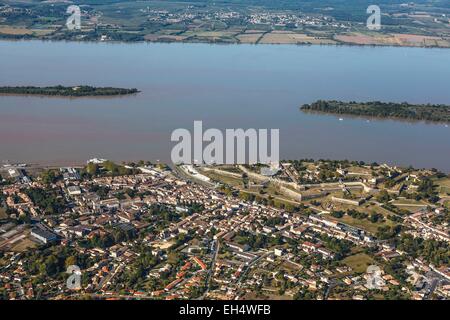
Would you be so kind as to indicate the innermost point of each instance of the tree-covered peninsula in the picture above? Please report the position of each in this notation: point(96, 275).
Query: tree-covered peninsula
point(76, 91)
point(426, 112)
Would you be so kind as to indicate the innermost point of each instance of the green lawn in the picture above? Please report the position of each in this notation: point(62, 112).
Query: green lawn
point(358, 262)
point(410, 205)
point(409, 202)
point(235, 182)
point(362, 223)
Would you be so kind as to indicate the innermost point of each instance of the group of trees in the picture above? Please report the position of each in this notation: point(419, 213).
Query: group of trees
point(256, 241)
point(134, 277)
point(383, 196)
point(426, 189)
point(388, 232)
point(114, 236)
point(164, 213)
point(340, 247)
point(432, 251)
point(107, 168)
point(374, 217)
point(53, 262)
point(46, 200)
point(269, 200)
point(101, 191)
point(49, 176)
point(273, 221)
point(4, 181)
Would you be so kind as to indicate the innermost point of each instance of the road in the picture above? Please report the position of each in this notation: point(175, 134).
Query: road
point(251, 264)
point(433, 280)
point(104, 282)
point(332, 283)
point(185, 176)
point(213, 267)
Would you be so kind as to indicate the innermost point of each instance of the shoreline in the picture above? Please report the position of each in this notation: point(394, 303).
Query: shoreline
point(53, 165)
point(71, 92)
point(338, 44)
point(375, 118)
point(30, 95)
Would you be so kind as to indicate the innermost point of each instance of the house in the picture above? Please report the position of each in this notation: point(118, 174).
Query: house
point(117, 251)
point(74, 190)
point(268, 229)
point(200, 263)
point(325, 252)
point(238, 247)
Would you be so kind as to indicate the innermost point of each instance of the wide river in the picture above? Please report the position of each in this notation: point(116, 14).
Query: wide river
point(225, 86)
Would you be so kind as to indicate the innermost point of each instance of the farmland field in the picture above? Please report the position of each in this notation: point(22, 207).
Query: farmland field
point(393, 39)
point(23, 245)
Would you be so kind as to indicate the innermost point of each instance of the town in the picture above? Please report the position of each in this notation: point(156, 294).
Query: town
point(325, 23)
point(308, 229)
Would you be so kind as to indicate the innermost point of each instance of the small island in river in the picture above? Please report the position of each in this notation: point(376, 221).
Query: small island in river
point(391, 110)
point(76, 91)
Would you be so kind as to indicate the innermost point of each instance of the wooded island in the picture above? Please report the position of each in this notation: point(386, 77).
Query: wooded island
point(404, 110)
point(77, 91)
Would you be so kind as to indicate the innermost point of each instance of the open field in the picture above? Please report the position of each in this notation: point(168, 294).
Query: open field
point(234, 182)
point(213, 36)
point(24, 31)
point(286, 37)
point(381, 210)
point(359, 170)
point(249, 37)
point(163, 245)
point(409, 204)
point(358, 262)
point(365, 207)
point(362, 223)
point(254, 187)
point(412, 209)
point(210, 34)
point(23, 245)
point(14, 30)
point(167, 37)
point(443, 186)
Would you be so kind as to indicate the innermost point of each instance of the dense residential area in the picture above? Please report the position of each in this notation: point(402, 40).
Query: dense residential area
point(305, 230)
